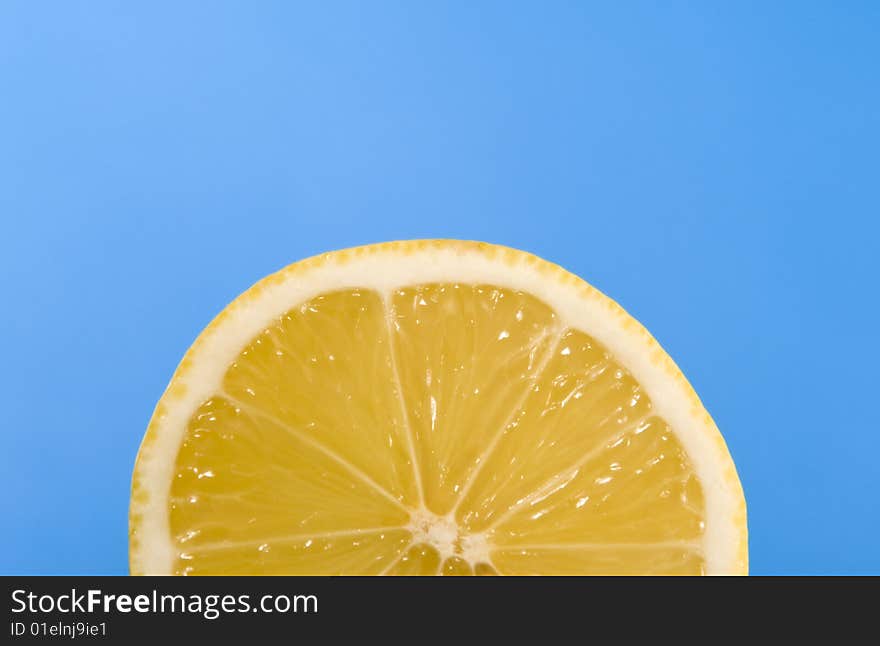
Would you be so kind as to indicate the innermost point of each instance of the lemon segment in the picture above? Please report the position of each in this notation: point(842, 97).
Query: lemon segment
point(468, 356)
point(418, 560)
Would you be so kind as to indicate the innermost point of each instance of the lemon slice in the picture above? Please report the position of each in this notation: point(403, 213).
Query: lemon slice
point(432, 407)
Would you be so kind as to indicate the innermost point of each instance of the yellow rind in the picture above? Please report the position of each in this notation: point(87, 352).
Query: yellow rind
point(140, 497)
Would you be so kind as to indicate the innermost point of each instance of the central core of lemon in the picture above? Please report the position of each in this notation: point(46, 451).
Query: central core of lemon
point(439, 532)
point(443, 535)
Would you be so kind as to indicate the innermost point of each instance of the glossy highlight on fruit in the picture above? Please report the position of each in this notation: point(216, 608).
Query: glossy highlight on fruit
point(432, 407)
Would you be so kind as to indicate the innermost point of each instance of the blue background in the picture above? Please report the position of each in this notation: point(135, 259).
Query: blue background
point(712, 166)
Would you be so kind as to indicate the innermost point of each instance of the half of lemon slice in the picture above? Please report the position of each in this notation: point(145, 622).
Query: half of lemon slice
point(432, 407)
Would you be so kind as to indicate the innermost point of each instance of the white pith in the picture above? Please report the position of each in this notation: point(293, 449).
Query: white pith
point(390, 269)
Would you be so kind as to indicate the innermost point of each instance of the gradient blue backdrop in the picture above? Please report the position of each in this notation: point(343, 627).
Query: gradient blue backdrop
point(712, 166)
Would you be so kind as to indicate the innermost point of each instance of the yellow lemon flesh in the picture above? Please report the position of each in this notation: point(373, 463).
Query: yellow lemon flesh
point(433, 407)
